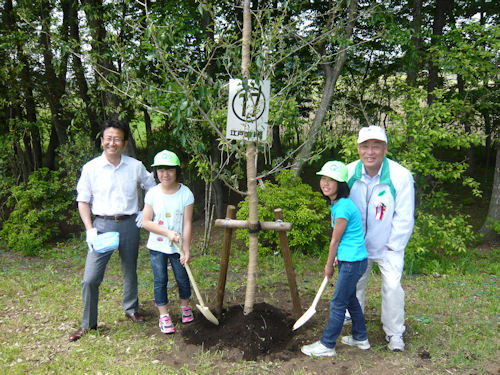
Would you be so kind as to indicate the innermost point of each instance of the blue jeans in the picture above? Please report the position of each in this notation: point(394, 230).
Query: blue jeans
point(344, 298)
point(159, 264)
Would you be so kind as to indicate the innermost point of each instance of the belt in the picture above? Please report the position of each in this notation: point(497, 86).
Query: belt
point(116, 218)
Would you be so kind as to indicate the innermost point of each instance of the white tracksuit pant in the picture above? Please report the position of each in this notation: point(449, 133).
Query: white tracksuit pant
point(393, 296)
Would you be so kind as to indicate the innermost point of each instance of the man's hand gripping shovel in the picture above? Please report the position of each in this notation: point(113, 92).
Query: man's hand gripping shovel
point(201, 306)
point(311, 310)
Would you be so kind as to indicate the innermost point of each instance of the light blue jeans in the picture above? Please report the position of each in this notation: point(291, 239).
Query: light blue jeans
point(159, 264)
point(95, 267)
point(344, 298)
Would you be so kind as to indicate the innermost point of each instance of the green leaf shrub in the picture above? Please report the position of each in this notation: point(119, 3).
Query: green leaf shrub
point(431, 141)
point(493, 224)
point(40, 206)
point(304, 208)
point(439, 235)
point(5, 185)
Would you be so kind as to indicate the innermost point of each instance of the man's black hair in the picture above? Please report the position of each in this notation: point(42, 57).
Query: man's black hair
point(115, 123)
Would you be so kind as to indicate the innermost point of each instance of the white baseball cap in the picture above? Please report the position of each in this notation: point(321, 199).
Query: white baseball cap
point(372, 132)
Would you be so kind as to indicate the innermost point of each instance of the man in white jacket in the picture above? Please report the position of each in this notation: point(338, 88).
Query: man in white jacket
point(384, 193)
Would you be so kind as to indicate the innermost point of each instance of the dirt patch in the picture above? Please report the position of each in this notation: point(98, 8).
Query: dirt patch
point(265, 331)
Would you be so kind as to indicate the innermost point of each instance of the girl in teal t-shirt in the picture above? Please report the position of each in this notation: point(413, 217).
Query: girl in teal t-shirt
point(347, 250)
point(352, 245)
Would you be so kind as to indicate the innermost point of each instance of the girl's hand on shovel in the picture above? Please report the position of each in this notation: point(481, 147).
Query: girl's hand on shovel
point(329, 268)
point(328, 271)
point(174, 236)
point(185, 258)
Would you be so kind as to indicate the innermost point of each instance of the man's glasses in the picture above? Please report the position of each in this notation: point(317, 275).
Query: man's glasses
point(113, 140)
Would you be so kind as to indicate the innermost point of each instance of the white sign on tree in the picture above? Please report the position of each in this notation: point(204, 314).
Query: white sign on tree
point(248, 111)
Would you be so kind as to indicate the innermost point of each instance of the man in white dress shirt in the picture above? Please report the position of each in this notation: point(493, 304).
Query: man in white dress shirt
point(108, 190)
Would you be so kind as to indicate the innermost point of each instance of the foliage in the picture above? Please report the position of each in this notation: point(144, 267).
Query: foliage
point(6, 181)
point(437, 236)
point(72, 156)
point(40, 207)
point(5, 185)
point(493, 224)
point(301, 206)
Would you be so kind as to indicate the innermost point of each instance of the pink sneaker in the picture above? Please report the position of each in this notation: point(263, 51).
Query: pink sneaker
point(165, 324)
point(186, 314)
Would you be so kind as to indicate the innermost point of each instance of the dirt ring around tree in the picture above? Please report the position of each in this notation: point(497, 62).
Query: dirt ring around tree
point(266, 331)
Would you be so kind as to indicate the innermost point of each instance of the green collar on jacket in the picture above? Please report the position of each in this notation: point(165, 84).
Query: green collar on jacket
point(385, 176)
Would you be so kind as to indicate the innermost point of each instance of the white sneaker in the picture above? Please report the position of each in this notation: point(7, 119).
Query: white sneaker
point(361, 344)
point(318, 350)
point(165, 324)
point(347, 320)
point(396, 343)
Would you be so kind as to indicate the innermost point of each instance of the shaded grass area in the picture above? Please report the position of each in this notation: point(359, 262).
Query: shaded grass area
point(452, 320)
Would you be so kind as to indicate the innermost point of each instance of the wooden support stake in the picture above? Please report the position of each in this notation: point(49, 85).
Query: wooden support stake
point(264, 225)
point(229, 223)
point(226, 247)
point(292, 283)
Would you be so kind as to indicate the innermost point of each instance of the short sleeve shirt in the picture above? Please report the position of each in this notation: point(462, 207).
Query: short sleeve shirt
point(168, 211)
point(113, 190)
point(352, 245)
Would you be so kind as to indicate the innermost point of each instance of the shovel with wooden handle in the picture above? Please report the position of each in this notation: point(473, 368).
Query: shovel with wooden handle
point(311, 310)
point(201, 306)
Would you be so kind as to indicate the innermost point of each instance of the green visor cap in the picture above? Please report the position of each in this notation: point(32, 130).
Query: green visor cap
point(336, 170)
point(166, 158)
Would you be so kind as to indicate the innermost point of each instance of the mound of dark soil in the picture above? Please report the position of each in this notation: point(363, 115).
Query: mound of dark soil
point(264, 331)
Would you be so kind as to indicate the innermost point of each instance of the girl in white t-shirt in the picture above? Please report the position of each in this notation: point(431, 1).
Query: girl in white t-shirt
point(167, 215)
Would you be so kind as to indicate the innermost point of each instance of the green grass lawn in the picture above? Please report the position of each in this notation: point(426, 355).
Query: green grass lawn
point(452, 320)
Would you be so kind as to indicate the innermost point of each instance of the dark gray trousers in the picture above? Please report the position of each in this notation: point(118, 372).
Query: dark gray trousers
point(95, 267)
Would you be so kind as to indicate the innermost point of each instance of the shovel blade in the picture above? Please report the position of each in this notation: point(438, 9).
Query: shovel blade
point(304, 318)
point(208, 314)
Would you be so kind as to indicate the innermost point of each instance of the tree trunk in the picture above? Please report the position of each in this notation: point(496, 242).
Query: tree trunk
point(465, 123)
point(94, 11)
point(414, 63)
point(442, 6)
point(33, 141)
point(55, 84)
point(31, 136)
point(494, 209)
point(108, 66)
point(331, 76)
point(278, 150)
point(81, 81)
point(50, 158)
point(21, 157)
point(251, 175)
point(207, 24)
point(149, 134)
point(217, 184)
